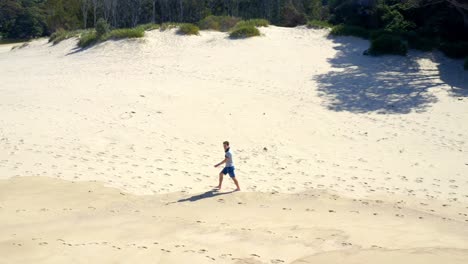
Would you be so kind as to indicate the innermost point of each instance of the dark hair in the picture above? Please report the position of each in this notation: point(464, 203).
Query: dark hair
point(226, 143)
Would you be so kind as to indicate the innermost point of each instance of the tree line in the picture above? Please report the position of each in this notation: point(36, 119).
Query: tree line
point(447, 19)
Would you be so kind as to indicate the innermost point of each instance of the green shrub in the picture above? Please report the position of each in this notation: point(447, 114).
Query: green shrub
point(58, 34)
point(388, 44)
point(123, 33)
point(188, 29)
point(102, 27)
point(345, 30)
point(253, 22)
point(466, 63)
point(318, 24)
point(169, 25)
point(88, 39)
point(219, 23)
point(454, 49)
point(244, 32)
point(149, 27)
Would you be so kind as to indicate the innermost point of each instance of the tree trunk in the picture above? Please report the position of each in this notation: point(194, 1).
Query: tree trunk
point(95, 3)
point(181, 11)
point(153, 18)
point(464, 15)
point(84, 10)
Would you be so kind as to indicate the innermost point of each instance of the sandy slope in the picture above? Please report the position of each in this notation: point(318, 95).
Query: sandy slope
point(60, 221)
point(304, 113)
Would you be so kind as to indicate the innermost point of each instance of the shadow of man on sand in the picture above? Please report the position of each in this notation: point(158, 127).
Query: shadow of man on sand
point(209, 194)
point(384, 85)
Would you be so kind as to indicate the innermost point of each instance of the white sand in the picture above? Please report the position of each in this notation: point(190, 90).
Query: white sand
point(304, 113)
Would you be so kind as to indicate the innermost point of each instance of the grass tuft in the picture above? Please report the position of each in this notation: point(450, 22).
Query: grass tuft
point(244, 32)
point(188, 29)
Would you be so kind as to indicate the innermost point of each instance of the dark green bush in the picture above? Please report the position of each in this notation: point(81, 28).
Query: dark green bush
point(388, 44)
point(345, 30)
point(102, 27)
point(88, 39)
point(123, 33)
point(188, 29)
point(219, 23)
point(318, 24)
point(454, 49)
point(244, 32)
point(253, 22)
point(415, 41)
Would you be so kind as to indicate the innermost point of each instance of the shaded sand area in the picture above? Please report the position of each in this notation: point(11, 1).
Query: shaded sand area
point(137, 125)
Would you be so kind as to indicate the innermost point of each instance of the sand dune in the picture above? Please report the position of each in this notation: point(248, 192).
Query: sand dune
point(306, 115)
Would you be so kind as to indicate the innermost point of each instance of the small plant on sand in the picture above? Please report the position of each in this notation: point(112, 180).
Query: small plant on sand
point(244, 32)
point(188, 29)
point(87, 39)
point(58, 35)
point(253, 22)
point(318, 24)
point(123, 33)
point(388, 44)
point(219, 23)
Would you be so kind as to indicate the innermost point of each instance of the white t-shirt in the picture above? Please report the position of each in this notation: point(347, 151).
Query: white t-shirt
point(229, 162)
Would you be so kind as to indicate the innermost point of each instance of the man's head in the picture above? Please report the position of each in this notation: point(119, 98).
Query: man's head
point(226, 145)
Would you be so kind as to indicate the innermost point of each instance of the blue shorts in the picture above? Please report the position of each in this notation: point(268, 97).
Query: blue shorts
point(230, 171)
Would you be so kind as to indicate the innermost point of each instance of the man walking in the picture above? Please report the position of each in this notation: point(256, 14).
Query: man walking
point(229, 168)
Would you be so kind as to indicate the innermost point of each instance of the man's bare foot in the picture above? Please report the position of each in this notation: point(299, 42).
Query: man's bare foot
point(218, 187)
point(237, 190)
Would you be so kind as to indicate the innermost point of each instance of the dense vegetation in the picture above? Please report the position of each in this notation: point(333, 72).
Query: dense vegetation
point(422, 24)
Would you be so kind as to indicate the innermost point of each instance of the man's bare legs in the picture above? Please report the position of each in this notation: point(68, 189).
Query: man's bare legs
point(220, 180)
point(236, 183)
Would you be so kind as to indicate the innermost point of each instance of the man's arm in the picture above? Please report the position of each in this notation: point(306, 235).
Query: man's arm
point(222, 162)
